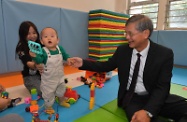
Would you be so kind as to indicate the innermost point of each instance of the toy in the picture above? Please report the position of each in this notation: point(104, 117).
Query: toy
point(56, 117)
point(35, 118)
point(66, 80)
point(34, 96)
point(50, 111)
point(108, 75)
point(35, 47)
point(28, 100)
point(71, 95)
point(33, 102)
point(4, 95)
point(101, 75)
point(92, 96)
point(100, 85)
point(34, 108)
point(86, 81)
point(98, 79)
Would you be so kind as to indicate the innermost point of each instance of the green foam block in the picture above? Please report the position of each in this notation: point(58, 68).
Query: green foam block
point(107, 113)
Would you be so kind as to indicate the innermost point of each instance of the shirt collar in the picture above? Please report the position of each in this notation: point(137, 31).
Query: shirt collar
point(144, 52)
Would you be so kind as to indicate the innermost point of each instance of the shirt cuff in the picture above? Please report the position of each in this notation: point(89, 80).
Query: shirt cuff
point(149, 114)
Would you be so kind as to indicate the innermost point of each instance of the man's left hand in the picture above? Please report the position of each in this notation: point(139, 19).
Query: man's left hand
point(140, 116)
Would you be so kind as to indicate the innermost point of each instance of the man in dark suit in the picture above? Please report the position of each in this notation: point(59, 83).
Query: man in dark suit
point(151, 97)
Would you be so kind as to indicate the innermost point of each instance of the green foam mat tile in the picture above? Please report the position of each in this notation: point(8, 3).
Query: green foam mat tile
point(179, 90)
point(108, 12)
point(106, 19)
point(113, 108)
point(100, 115)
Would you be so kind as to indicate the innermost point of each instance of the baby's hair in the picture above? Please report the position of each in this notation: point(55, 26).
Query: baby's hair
point(46, 28)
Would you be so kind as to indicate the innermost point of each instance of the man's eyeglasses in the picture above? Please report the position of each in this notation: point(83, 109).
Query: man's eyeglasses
point(130, 34)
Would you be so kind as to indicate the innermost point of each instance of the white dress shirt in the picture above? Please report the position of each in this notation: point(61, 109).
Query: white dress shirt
point(140, 88)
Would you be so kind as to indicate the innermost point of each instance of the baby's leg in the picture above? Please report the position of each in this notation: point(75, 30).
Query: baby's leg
point(60, 94)
point(49, 110)
point(62, 102)
point(49, 98)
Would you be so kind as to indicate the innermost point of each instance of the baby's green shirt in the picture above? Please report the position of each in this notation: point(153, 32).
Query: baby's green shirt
point(42, 58)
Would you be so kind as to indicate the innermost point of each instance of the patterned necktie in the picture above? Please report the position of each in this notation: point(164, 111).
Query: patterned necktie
point(130, 92)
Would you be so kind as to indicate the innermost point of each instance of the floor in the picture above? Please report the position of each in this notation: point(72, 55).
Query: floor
point(13, 82)
point(14, 85)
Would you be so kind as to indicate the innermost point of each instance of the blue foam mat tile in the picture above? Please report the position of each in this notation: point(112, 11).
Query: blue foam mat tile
point(20, 109)
point(77, 110)
point(102, 95)
point(179, 76)
point(80, 108)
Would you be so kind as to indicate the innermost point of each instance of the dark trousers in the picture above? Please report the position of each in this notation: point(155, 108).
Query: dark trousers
point(176, 111)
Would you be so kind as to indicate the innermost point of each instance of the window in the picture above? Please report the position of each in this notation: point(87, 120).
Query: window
point(146, 7)
point(176, 14)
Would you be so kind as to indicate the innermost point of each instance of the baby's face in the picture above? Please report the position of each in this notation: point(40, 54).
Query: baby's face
point(49, 38)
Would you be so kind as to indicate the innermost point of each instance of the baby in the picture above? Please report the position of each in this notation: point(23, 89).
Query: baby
point(52, 77)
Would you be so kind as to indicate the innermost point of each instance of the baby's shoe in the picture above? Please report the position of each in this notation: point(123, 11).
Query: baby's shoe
point(49, 110)
point(65, 104)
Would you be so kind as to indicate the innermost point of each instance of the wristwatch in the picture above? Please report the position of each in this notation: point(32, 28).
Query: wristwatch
point(149, 114)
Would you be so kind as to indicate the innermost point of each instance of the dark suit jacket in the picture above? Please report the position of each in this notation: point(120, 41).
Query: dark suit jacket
point(156, 77)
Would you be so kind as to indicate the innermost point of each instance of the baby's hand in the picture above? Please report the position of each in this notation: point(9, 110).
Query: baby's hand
point(70, 61)
point(32, 54)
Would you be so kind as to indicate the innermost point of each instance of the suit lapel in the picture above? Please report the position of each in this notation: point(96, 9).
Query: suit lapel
point(126, 65)
point(128, 60)
point(149, 60)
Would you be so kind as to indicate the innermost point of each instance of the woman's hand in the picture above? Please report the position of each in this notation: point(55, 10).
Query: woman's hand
point(32, 54)
point(2, 89)
point(4, 103)
point(40, 67)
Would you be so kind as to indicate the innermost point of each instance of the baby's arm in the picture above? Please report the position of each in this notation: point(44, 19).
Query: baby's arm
point(64, 54)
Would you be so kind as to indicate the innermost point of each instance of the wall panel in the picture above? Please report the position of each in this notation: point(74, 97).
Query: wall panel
point(74, 25)
point(3, 61)
point(16, 12)
point(176, 40)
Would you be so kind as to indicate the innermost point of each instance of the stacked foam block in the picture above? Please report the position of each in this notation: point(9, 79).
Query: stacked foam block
point(106, 33)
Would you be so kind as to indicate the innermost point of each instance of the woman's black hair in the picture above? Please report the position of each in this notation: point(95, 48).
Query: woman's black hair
point(22, 45)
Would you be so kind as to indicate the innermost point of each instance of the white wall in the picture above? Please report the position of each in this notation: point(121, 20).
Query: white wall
point(119, 6)
point(80, 5)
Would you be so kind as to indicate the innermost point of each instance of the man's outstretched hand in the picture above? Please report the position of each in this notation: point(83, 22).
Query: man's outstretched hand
point(75, 62)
